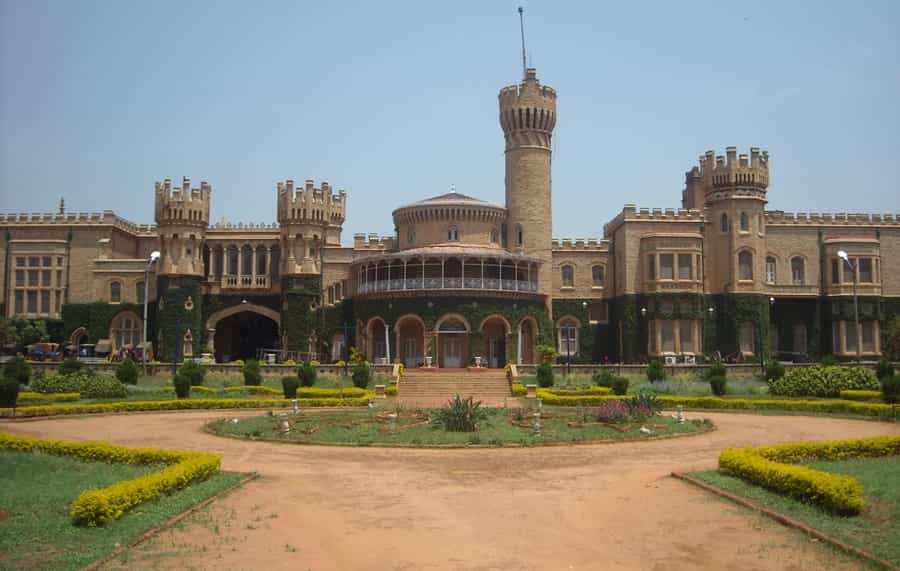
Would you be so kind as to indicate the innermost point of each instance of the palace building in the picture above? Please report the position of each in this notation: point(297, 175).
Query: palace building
point(462, 278)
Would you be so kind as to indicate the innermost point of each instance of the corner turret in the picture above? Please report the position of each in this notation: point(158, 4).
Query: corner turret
point(182, 216)
point(310, 218)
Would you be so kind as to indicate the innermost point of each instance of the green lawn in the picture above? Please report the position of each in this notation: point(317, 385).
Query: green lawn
point(876, 530)
point(683, 384)
point(36, 491)
point(363, 427)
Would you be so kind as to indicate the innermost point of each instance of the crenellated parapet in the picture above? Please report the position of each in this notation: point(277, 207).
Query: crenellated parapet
point(729, 176)
point(580, 245)
point(106, 218)
point(374, 242)
point(778, 217)
point(310, 205)
point(632, 212)
point(182, 206)
point(528, 113)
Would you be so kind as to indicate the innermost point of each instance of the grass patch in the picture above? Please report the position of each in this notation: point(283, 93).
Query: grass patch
point(36, 492)
point(876, 529)
point(365, 427)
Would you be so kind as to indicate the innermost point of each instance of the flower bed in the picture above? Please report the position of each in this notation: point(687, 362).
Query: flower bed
point(772, 467)
point(96, 507)
point(179, 404)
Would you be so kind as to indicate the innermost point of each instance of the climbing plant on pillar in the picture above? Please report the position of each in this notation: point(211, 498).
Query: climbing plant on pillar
point(179, 309)
point(300, 305)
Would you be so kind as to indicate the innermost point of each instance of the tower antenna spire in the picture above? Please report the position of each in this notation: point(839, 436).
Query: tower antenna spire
point(522, 29)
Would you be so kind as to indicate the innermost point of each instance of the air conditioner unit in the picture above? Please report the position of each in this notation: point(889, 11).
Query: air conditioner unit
point(671, 360)
point(690, 360)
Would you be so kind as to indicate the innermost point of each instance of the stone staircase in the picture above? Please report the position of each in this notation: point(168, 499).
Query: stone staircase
point(442, 384)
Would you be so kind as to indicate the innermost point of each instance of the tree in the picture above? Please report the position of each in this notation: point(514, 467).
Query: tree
point(30, 331)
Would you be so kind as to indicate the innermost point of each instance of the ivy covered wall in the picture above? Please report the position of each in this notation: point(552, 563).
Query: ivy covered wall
point(96, 318)
point(179, 309)
point(300, 316)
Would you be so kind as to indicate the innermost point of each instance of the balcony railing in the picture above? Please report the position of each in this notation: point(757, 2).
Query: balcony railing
point(245, 282)
point(493, 284)
point(671, 285)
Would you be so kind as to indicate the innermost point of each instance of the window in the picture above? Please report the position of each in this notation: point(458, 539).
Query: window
point(45, 261)
point(45, 278)
point(58, 305)
point(597, 274)
point(20, 262)
point(797, 271)
point(667, 306)
point(20, 301)
point(724, 223)
point(32, 277)
point(745, 334)
point(666, 266)
point(139, 292)
point(32, 301)
point(115, 292)
point(452, 234)
point(520, 236)
point(770, 270)
point(34, 262)
point(568, 337)
point(745, 265)
point(868, 336)
point(685, 268)
point(668, 336)
point(20, 278)
point(45, 301)
point(865, 270)
point(411, 235)
point(686, 335)
point(331, 295)
point(126, 330)
point(745, 222)
point(598, 312)
point(651, 267)
point(568, 276)
point(850, 337)
point(494, 236)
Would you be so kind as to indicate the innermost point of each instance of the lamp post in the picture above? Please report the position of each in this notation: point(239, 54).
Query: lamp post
point(154, 256)
point(855, 267)
point(711, 311)
point(649, 341)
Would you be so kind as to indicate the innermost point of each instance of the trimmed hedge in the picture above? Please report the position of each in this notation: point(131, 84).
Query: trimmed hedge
point(518, 390)
point(180, 404)
point(823, 381)
point(303, 392)
point(391, 390)
point(90, 386)
point(861, 395)
point(591, 391)
point(96, 507)
point(31, 398)
point(770, 467)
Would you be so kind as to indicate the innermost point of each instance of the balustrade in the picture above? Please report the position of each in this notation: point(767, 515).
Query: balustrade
point(447, 283)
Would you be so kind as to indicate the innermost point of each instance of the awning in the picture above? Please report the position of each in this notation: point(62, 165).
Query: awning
point(103, 346)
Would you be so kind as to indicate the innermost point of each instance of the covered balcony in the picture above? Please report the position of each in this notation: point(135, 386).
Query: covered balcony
point(447, 268)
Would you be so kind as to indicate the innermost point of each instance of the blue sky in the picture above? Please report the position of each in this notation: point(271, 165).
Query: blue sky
point(397, 101)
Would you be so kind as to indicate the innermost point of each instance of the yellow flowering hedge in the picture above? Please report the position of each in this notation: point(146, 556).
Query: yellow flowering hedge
point(859, 395)
point(27, 397)
point(98, 506)
point(392, 390)
point(588, 392)
point(194, 389)
point(179, 404)
point(303, 392)
point(772, 467)
point(518, 390)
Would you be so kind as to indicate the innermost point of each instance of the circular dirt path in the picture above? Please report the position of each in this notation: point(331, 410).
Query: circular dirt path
point(603, 506)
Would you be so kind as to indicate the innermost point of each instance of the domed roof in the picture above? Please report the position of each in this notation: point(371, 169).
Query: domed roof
point(451, 199)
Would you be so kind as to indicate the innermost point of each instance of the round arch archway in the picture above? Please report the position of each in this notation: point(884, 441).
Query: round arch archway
point(526, 339)
point(494, 332)
point(237, 332)
point(410, 334)
point(452, 332)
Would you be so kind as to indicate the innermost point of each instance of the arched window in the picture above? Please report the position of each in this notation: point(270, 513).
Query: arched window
point(770, 270)
point(411, 235)
point(125, 330)
point(745, 265)
point(115, 292)
point(724, 222)
point(520, 235)
point(568, 338)
point(568, 276)
point(452, 234)
point(139, 292)
point(798, 271)
point(745, 222)
point(494, 236)
point(598, 274)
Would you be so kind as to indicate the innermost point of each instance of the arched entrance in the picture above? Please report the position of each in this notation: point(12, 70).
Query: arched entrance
point(238, 331)
point(527, 336)
point(453, 342)
point(410, 330)
point(377, 337)
point(494, 330)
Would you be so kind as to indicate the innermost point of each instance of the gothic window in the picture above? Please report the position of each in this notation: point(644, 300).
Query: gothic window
point(745, 265)
point(126, 330)
point(745, 222)
point(598, 275)
point(797, 271)
point(568, 276)
point(770, 270)
point(115, 292)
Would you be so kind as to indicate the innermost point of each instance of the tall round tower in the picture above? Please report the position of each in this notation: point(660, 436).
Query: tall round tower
point(527, 116)
point(182, 215)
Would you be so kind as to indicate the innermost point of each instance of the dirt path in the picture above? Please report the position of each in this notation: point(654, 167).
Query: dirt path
point(573, 507)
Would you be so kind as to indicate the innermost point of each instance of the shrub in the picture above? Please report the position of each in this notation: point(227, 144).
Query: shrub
point(127, 372)
point(717, 384)
point(612, 411)
point(361, 375)
point(9, 392)
point(314, 363)
point(18, 369)
point(774, 370)
point(290, 363)
point(238, 362)
point(620, 385)
point(195, 372)
point(828, 361)
point(890, 389)
point(182, 384)
point(518, 389)
point(656, 371)
point(884, 369)
point(548, 354)
point(643, 405)
point(90, 386)
point(460, 415)
point(69, 365)
point(252, 376)
point(823, 381)
point(603, 378)
point(863, 396)
point(307, 374)
point(716, 369)
point(289, 385)
point(545, 375)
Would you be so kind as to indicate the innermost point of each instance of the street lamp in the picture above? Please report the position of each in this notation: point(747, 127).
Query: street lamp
point(154, 256)
point(855, 267)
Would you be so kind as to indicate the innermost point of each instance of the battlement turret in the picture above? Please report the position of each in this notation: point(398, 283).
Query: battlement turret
point(528, 112)
point(310, 205)
point(184, 206)
point(729, 176)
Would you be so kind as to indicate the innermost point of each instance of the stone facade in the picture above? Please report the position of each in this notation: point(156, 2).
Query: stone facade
point(463, 278)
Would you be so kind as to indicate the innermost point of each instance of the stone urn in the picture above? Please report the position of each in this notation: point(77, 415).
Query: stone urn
point(428, 362)
point(478, 361)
